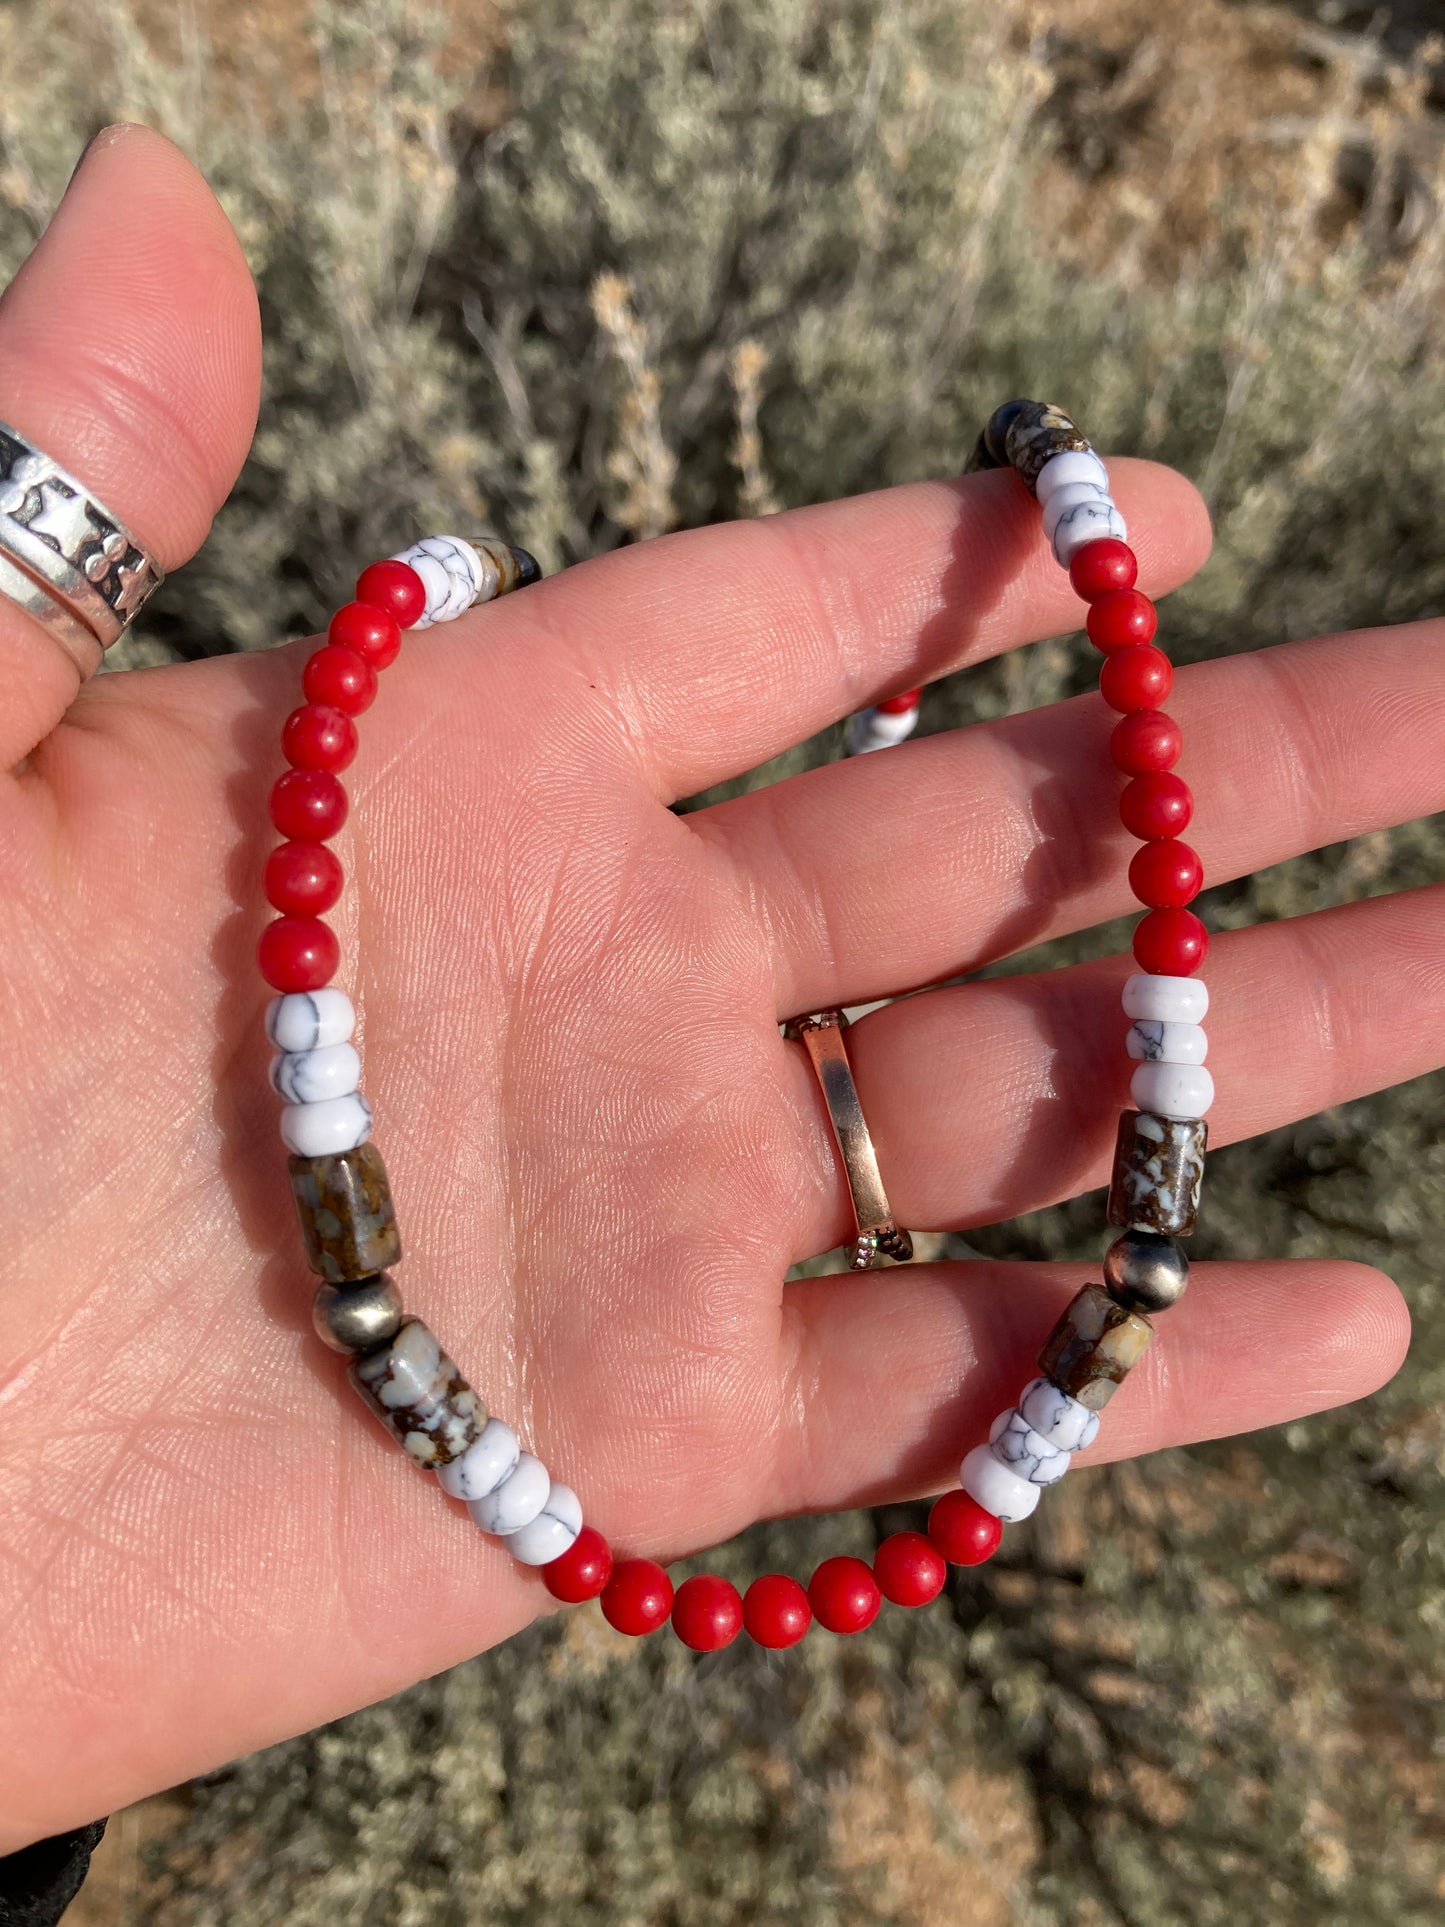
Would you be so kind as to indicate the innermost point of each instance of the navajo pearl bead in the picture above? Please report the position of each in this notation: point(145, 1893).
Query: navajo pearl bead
point(308, 804)
point(1166, 874)
point(298, 953)
point(341, 678)
point(1101, 567)
point(1145, 739)
point(964, 1533)
point(637, 1598)
point(395, 587)
point(1170, 943)
point(583, 1571)
point(707, 1613)
point(776, 1612)
point(303, 879)
point(844, 1595)
point(1156, 805)
point(909, 1569)
point(368, 631)
point(316, 736)
point(1145, 1271)
point(1138, 678)
point(1124, 619)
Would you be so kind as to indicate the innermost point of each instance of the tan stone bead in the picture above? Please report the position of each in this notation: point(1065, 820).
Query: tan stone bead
point(1093, 1346)
point(348, 1221)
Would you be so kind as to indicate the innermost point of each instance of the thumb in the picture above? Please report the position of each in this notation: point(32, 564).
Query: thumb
point(130, 352)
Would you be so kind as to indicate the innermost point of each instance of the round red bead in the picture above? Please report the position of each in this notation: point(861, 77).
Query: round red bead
point(395, 587)
point(844, 1595)
point(899, 705)
point(1166, 875)
point(1156, 804)
point(964, 1533)
point(707, 1613)
point(308, 804)
point(582, 1571)
point(776, 1612)
point(1170, 943)
point(303, 878)
point(1123, 619)
point(1138, 678)
point(909, 1569)
point(368, 631)
point(1145, 739)
point(298, 953)
point(1102, 566)
point(638, 1597)
point(341, 678)
point(316, 736)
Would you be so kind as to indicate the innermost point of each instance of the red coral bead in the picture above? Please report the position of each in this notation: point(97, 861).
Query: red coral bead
point(1145, 739)
point(308, 804)
point(1170, 943)
point(316, 736)
point(395, 587)
point(707, 1613)
point(964, 1533)
point(1156, 804)
point(909, 1569)
point(1124, 619)
point(341, 678)
point(582, 1571)
point(303, 878)
point(1102, 566)
point(298, 953)
point(638, 1597)
point(899, 705)
point(844, 1595)
point(1139, 678)
point(776, 1612)
point(367, 631)
point(1166, 874)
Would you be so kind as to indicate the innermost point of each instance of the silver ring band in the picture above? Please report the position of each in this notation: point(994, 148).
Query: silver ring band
point(877, 1232)
point(63, 538)
point(79, 643)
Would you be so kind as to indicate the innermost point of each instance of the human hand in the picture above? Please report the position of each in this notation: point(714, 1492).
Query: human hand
point(604, 1155)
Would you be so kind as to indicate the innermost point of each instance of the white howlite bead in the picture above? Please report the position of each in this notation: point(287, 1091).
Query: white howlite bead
point(320, 1130)
point(987, 1479)
point(453, 575)
point(1016, 1444)
point(879, 729)
point(1180, 1091)
point(1087, 523)
point(310, 1019)
point(488, 1460)
point(1174, 1000)
point(311, 1076)
point(1057, 1417)
point(1158, 1042)
point(552, 1532)
point(1066, 499)
point(516, 1501)
point(1063, 471)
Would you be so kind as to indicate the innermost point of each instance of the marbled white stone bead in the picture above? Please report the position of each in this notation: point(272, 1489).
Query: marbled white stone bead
point(1023, 1450)
point(516, 1501)
point(311, 1076)
point(1057, 1417)
point(348, 1221)
point(310, 1019)
point(453, 575)
point(552, 1532)
point(1087, 522)
point(1093, 1346)
point(1171, 1000)
point(876, 729)
point(1157, 1042)
point(1037, 432)
point(985, 1478)
point(1065, 471)
point(1158, 1169)
point(419, 1395)
point(484, 1464)
point(317, 1130)
point(1178, 1091)
point(1065, 500)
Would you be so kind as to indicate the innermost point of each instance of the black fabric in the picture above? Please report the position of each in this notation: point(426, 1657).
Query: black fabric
point(38, 1883)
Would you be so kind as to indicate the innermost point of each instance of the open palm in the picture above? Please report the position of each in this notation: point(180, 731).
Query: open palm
point(605, 1157)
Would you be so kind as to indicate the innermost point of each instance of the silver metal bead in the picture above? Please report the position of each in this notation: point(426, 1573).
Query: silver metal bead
point(357, 1317)
point(1145, 1272)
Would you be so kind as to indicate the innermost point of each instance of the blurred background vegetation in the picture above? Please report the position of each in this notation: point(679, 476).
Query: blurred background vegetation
point(597, 270)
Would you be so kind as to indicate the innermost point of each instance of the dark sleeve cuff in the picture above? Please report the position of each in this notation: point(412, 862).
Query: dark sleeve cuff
point(38, 1883)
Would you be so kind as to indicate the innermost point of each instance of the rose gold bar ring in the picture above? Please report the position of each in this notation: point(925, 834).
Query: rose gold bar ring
point(822, 1034)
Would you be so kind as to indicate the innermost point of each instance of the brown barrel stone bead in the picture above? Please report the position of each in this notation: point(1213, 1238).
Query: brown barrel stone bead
point(1158, 1166)
point(419, 1395)
point(347, 1218)
point(1091, 1349)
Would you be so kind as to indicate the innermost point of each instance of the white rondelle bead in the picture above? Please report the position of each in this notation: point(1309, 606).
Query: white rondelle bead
point(553, 1531)
point(488, 1460)
point(311, 1076)
point(987, 1479)
point(1062, 1420)
point(879, 729)
point(1157, 1042)
point(453, 575)
point(310, 1019)
point(1088, 522)
point(1066, 499)
point(1016, 1444)
point(1063, 471)
point(516, 1501)
point(320, 1130)
point(1175, 1000)
point(1179, 1091)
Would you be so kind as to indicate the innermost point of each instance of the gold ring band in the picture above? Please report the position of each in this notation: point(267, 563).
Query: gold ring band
point(821, 1033)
